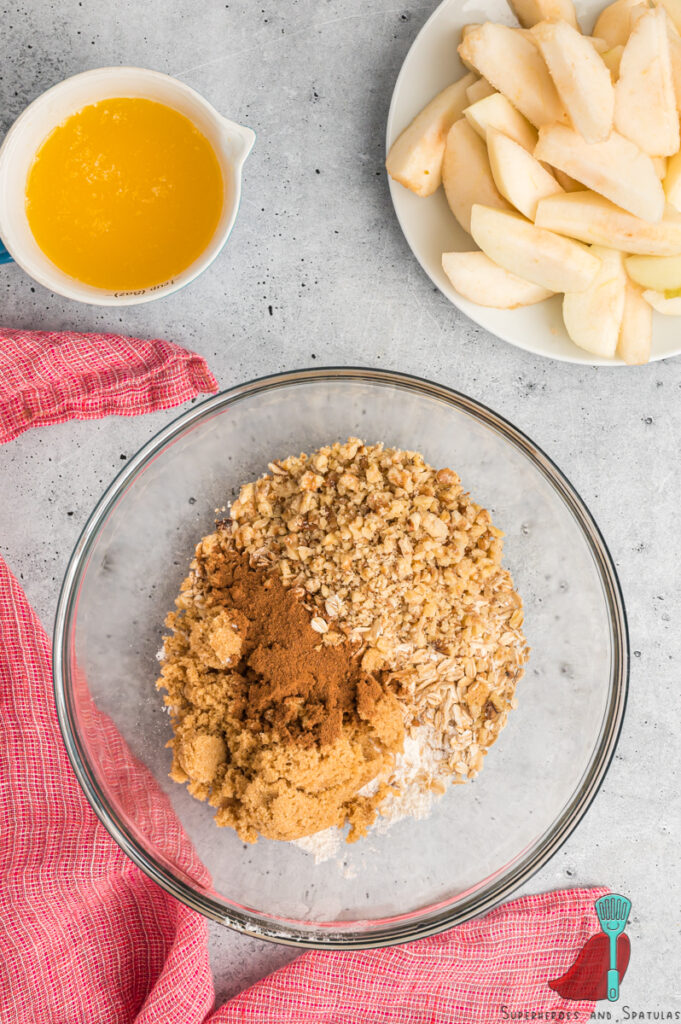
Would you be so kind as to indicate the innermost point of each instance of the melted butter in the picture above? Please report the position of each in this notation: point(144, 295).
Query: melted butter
point(125, 194)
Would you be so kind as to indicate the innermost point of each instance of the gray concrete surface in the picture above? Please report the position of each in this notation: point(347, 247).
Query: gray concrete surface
point(316, 273)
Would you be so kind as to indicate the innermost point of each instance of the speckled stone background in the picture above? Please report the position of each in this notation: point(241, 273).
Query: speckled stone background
point(316, 273)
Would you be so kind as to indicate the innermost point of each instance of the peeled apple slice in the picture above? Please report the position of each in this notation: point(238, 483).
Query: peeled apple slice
point(464, 32)
point(415, 158)
point(519, 177)
point(660, 165)
point(591, 218)
point(479, 90)
point(614, 168)
point(567, 183)
point(673, 9)
point(660, 303)
point(514, 66)
point(548, 260)
point(675, 55)
point(672, 181)
point(583, 81)
point(612, 59)
point(593, 317)
point(636, 332)
point(645, 101)
point(479, 279)
point(615, 21)
point(660, 273)
point(496, 112)
point(466, 174)
point(529, 12)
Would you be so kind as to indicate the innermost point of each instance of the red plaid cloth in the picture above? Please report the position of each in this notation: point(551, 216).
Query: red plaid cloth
point(86, 937)
point(50, 377)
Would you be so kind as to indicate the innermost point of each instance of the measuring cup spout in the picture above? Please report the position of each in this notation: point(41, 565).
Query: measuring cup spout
point(237, 140)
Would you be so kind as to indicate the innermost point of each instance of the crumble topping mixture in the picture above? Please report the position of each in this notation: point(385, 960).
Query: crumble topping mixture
point(354, 597)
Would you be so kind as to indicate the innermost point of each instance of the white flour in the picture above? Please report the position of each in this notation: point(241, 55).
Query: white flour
point(415, 769)
point(322, 845)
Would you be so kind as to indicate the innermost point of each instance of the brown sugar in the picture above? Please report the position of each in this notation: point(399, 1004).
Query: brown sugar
point(278, 731)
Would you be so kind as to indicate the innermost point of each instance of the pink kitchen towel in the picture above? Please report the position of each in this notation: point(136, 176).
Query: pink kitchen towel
point(53, 376)
point(85, 936)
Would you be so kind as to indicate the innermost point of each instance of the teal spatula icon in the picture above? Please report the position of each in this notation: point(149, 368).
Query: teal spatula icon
point(613, 913)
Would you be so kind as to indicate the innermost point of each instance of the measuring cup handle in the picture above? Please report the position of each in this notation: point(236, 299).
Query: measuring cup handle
point(4, 255)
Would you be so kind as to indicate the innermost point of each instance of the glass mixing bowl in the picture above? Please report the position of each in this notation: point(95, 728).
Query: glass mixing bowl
point(483, 839)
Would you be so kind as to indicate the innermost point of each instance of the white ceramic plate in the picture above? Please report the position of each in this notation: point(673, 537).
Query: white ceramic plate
point(429, 227)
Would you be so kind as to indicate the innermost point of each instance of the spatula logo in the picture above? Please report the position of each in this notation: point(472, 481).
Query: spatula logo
point(613, 913)
point(602, 962)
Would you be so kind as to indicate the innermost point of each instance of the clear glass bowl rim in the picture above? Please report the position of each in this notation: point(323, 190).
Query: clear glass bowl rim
point(401, 929)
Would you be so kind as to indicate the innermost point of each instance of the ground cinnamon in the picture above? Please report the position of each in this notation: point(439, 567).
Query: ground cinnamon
point(292, 682)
